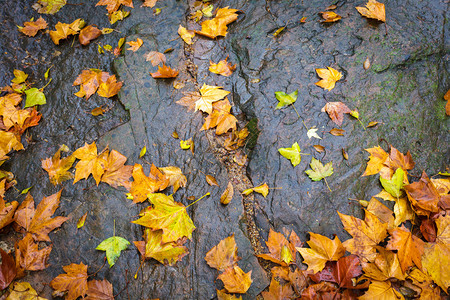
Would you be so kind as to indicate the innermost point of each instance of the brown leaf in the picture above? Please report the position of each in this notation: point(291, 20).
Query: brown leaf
point(155, 58)
point(165, 72)
point(90, 81)
point(223, 255)
point(423, 195)
point(227, 195)
point(89, 33)
point(7, 211)
point(336, 111)
point(7, 270)
point(278, 292)
point(410, 248)
point(211, 180)
point(29, 256)
point(38, 221)
point(98, 111)
point(235, 280)
point(149, 3)
point(99, 290)
point(337, 132)
point(428, 230)
point(321, 291)
point(74, 282)
point(31, 28)
point(319, 148)
point(399, 160)
point(116, 173)
point(189, 100)
point(57, 168)
point(330, 16)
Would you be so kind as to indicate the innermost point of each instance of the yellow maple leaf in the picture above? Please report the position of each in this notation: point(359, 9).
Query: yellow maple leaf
point(376, 160)
point(209, 94)
point(135, 45)
point(8, 141)
point(175, 177)
point(186, 35)
point(235, 280)
point(373, 10)
point(386, 265)
point(57, 168)
point(90, 162)
point(144, 185)
point(218, 25)
point(322, 250)
point(381, 290)
point(329, 77)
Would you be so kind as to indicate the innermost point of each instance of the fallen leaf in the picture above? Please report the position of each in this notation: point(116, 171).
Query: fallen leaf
point(220, 117)
point(29, 256)
point(113, 246)
point(319, 148)
point(372, 124)
point(135, 45)
point(223, 67)
point(209, 94)
point(285, 99)
point(447, 106)
point(336, 111)
point(423, 195)
point(428, 290)
point(381, 211)
point(189, 100)
point(38, 221)
point(81, 221)
point(222, 295)
point(235, 280)
point(63, 30)
point(186, 35)
point(98, 111)
point(187, 144)
point(385, 266)
point(175, 177)
point(319, 171)
point(399, 160)
point(322, 249)
point(376, 160)
point(278, 31)
point(373, 10)
point(312, 132)
point(7, 270)
point(7, 211)
point(144, 185)
point(381, 290)
point(89, 33)
point(155, 58)
point(116, 173)
point(223, 255)
point(19, 77)
point(149, 3)
point(90, 162)
point(227, 194)
point(49, 6)
point(23, 291)
point(74, 282)
point(168, 215)
point(57, 168)
point(165, 72)
point(218, 25)
point(366, 66)
point(330, 16)
point(278, 292)
point(31, 28)
point(293, 154)
point(322, 290)
point(34, 97)
point(211, 180)
point(8, 142)
point(366, 235)
point(113, 5)
point(281, 251)
point(394, 185)
point(90, 80)
point(344, 154)
point(99, 290)
point(329, 77)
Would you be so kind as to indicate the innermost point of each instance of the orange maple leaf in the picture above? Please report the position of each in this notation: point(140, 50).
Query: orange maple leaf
point(74, 282)
point(385, 266)
point(373, 10)
point(278, 291)
point(135, 45)
point(235, 280)
point(281, 251)
point(89, 81)
point(113, 5)
point(57, 168)
point(376, 160)
point(330, 16)
point(423, 196)
point(38, 221)
point(143, 185)
point(29, 256)
point(155, 57)
point(329, 77)
point(220, 117)
point(31, 28)
point(116, 173)
point(165, 72)
point(110, 87)
point(223, 255)
point(7, 211)
point(222, 67)
point(218, 25)
point(8, 141)
point(336, 111)
point(90, 162)
point(63, 30)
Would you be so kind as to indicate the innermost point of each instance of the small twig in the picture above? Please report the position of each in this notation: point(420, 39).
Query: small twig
point(104, 262)
point(140, 266)
point(126, 284)
point(327, 184)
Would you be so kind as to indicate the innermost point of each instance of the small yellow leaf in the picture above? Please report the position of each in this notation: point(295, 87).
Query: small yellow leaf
point(372, 124)
point(263, 189)
point(279, 30)
point(135, 45)
point(81, 221)
point(143, 151)
point(227, 195)
point(97, 111)
point(329, 77)
point(344, 154)
point(186, 35)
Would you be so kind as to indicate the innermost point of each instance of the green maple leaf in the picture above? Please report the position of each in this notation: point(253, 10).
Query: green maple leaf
point(293, 153)
point(34, 97)
point(285, 99)
point(319, 171)
point(394, 185)
point(168, 215)
point(113, 247)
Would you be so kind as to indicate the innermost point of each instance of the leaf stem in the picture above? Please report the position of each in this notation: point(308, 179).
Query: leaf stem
point(140, 266)
point(42, 88)
point(361, 124)
point(327, 184)
point(114, 228)
point(207, 194)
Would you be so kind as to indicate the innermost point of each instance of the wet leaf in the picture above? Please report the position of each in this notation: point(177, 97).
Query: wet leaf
point(23, 291)
point(8, 142)
point(155, 58)
point(90, 162)
point(322, 249)
point(227, 194)
point(209, 94)
point(278, 292)
point(281, 251)
point(165, 72)
point(31, 28)
point(168, 215)
point(218, 25)
point(135, 45)
point(220, 117)
point(381, 290)
point(144, 185)
point(34, 97)
point(312, 132)
point(7, 270)
point(211, 180)
point(319, 171)
point(99, 290)
point(118, 16)
point(285, 99)
point(223, 67)
point(98, 111)
point(29, 256)
point(329, 77)
point(113, 246)
point(63, 30)
point(110, 87)
point(49, 6)
point(336, 111)
point(187, 144)
point(423, 195)
point(278, 31)
point(293, 153)
point(74, 281)
point(235, 280)
point(149, 3)
point(89, 33)
point(189, 100)
point(186, 35)
point(175, 177)
point(447, 106)
point(344, 154)
point(113, 5)
point(223, 255)
point(222, 295)
point(319, 148)
point(19, 76)
point(337, 132)
point(366, 66)
point(373, 10)
point(38, 221)
point(329, 16)
point(142, 152)
point(7, 210)
point(57, 168)
point(385, 266)
point(376, 160)
point(81, 221)
point(263, 189)
point(394, 186)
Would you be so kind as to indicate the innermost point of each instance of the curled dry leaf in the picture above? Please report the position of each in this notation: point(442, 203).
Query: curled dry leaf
point(373, 10)
point(263, 189)
point(222, 67)
point(330, 16)
point(372, 124)
point(165, 72)
point(98, 111)
point(211, 180)
point(227, 195)
point(31, 28)
point(155, 58)
point(89, 33)
point(135, 45)
point(186, 35)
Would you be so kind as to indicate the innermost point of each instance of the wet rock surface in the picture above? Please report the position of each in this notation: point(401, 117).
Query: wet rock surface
point(402, 90)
